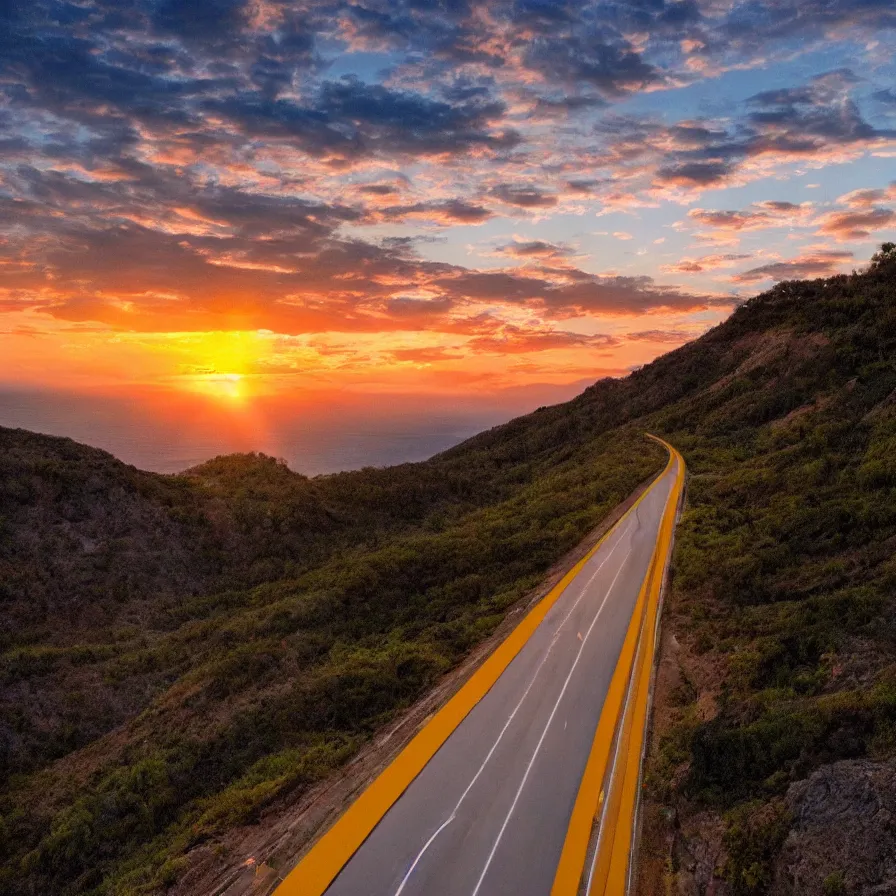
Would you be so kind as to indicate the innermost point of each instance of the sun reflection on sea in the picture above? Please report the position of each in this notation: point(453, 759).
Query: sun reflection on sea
point(228, 405)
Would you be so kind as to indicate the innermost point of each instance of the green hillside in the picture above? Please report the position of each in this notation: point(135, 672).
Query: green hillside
point(179, 652)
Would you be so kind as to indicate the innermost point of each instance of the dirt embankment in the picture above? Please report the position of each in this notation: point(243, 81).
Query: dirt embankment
point(679, 851)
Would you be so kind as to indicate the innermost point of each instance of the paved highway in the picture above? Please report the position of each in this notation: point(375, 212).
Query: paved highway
point(489, 812)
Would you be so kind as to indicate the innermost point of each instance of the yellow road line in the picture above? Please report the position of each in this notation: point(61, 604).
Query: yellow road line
point(318, 869)
point(607, 795)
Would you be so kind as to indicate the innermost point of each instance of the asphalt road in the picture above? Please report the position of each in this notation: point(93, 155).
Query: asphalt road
point(488, 814)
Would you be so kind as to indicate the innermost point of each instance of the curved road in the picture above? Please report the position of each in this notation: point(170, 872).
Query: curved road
point(489, 812)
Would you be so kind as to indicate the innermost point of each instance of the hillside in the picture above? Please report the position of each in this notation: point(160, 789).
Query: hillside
point(180, 653)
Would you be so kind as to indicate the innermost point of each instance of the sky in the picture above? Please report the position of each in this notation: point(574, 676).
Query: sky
point(253, 198)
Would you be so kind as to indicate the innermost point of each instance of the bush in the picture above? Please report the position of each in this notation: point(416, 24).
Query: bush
point(754, 833)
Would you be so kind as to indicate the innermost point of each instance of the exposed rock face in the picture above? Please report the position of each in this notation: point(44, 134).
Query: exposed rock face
point(844, 832)
point(697, 855)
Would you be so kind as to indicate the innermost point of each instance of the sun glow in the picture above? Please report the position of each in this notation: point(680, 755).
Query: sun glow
point(220, 364)
point(231, 386)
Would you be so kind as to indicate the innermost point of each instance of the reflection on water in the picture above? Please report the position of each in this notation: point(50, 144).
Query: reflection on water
point(168, 431)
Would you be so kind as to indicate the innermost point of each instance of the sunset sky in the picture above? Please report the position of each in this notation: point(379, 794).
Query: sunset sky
point(250, 198)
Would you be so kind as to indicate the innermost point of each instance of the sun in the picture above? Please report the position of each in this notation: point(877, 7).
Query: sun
point(220, 364)
point(230, 386)
point(228, 353)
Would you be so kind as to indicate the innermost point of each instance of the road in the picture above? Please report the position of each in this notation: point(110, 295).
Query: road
point(489, 812)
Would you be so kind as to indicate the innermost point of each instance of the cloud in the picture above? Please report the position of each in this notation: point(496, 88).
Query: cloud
point(584, 185)
point(868, 198)
point(695, 174)
point(734, 220)
point(702, 264)
point(577, 57)
point(866, 212)
point(409, 122)
point(566, 105)
point(353, 119)
point(176, 166)
point(379, 189)
point(201, 20)
point(426, 355)
point(722, 225)
point(812, 120)
point(821, 263)
point(523, 196)
point(518, 340)
point(856, 225)
point(535, 249)
point(445, 212)
point(749, 30)
point(823, 109)
point(669, 337)
point(576, 293)
point(215, 258)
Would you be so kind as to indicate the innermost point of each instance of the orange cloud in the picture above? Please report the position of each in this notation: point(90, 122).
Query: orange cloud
point(813, 263)
point(704, 263)
point(866, 213)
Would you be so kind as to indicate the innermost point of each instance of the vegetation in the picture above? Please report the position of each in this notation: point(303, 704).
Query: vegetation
point(180, 651)
point(243, 629)
point(784, 579)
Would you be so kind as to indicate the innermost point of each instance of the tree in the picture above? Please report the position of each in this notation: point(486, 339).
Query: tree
point(885, 255)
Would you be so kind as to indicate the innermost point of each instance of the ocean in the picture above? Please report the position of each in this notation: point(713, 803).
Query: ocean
point(167, 431)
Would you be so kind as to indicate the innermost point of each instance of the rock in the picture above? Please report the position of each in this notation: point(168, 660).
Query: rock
point(844, 820)
point(697, 851)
